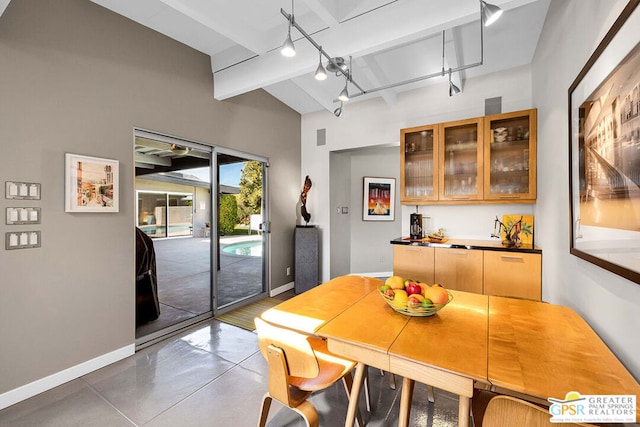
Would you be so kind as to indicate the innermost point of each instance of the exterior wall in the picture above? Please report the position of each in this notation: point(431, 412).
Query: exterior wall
point(77, 78)
point(608, 302)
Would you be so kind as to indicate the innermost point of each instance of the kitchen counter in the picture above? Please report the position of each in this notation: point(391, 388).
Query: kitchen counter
point(486, 245)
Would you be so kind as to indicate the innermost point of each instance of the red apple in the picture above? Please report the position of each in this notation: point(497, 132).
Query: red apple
point(413, 288)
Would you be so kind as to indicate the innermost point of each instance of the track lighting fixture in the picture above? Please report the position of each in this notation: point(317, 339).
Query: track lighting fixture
point(320, 74)
point(453, 89)
point(490, 12)
point(288, 48)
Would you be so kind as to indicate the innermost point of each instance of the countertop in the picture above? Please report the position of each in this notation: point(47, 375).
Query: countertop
point(486, 245)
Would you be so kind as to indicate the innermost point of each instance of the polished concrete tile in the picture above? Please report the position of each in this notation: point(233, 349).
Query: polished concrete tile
point(74, 404)
point(156, 378)
point(231, 400)
point(209, 375)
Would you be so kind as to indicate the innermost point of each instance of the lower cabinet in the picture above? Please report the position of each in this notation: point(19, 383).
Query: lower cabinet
point(413, 262)
point(513, 274)
point(490, 272)
point(459, 269)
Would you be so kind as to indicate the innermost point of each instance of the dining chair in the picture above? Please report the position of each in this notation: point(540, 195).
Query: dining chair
point(299, 364)
point(507, 411)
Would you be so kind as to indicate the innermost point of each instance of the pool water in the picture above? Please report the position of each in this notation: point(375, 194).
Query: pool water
point(253, 248)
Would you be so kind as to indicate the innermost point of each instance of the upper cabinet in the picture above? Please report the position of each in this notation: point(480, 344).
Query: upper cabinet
point(488, 159)
point(419, 160)
point(510, 153)
point(460, 164)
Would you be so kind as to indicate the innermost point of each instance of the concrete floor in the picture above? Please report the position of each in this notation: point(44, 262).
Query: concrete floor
point(210, 375)
point(184, 275)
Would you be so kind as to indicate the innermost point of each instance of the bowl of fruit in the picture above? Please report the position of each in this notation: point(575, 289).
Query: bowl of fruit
point(413, 298)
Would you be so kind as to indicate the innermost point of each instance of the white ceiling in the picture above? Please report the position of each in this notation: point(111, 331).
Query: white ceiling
point(390, 41)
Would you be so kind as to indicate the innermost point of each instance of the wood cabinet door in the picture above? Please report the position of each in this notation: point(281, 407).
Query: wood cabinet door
point(510, 157)
point(413, 262)
point(460, 167)
point(513, 274)
point(419, 165)
point(459, 269)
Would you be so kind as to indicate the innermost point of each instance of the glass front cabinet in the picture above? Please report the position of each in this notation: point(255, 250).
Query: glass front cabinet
point(510, 153)
point(489, 159)
point(418, 160)
point(461, 160)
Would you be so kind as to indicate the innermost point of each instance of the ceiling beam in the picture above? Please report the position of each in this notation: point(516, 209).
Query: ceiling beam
point(221, 24)
point(419, 20)
point(152, 160)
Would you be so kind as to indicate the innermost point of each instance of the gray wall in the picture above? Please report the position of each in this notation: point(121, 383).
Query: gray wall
point(359, 246)
point(77, 78)
point(340, 196)
point(370, 248)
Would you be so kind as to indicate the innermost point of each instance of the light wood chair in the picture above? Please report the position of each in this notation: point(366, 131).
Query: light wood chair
point(507, 411)
point(299, 364)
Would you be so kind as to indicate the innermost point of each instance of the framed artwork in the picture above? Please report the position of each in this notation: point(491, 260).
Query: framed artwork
point(378, 201)
point(91, 184)
point(604, 151)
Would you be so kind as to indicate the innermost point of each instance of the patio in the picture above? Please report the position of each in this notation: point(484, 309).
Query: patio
point(183, 269)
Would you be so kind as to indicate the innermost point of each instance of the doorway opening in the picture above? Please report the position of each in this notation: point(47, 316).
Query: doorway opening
point(202, 239)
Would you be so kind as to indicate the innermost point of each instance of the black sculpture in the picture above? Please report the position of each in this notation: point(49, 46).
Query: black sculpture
point(303, 200)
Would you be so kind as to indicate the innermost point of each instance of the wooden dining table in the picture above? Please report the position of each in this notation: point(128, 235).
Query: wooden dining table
point(526, 348)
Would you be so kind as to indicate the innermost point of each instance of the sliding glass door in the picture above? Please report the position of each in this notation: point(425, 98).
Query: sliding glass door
point(173, 212)
point(242, 232)
point(201, 232)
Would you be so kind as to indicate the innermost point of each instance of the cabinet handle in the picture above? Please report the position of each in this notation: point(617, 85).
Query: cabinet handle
point(460, 253)
point(509, 197)
point(460, 197)
point(511, 257)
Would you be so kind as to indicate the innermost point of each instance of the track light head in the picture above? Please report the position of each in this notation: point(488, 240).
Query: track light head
point(320, 73)
point(344, 94)
point(490, 12)
point(288, 48)
point(338, 111)
point(453, 89)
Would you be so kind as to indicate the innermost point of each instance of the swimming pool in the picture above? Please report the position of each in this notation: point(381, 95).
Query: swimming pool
point(252, 248)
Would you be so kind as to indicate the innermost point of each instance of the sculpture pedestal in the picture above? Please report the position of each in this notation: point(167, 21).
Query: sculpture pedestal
point(306, 257)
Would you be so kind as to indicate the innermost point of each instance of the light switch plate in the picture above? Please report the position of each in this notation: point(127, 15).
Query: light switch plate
point(22, 190)
point(22, 240)
point(22, 215)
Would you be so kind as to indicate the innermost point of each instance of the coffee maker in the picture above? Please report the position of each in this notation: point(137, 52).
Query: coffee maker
point(415, 226)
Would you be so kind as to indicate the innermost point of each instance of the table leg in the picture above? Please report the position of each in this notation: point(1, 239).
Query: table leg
point(405, 402)
point(355, 393)
point(463, 411)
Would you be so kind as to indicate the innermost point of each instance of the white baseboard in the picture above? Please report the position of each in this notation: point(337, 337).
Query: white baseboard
point(281, 289)
point(47, 383)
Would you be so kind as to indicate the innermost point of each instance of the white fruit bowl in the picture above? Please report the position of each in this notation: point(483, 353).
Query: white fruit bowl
point(420, 311)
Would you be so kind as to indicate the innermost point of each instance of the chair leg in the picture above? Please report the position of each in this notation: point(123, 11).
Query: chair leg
point(264, 410)
point(367, 396)
point(430, 394)
point(392, 381)
point(347, 380)
point(308, 412)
